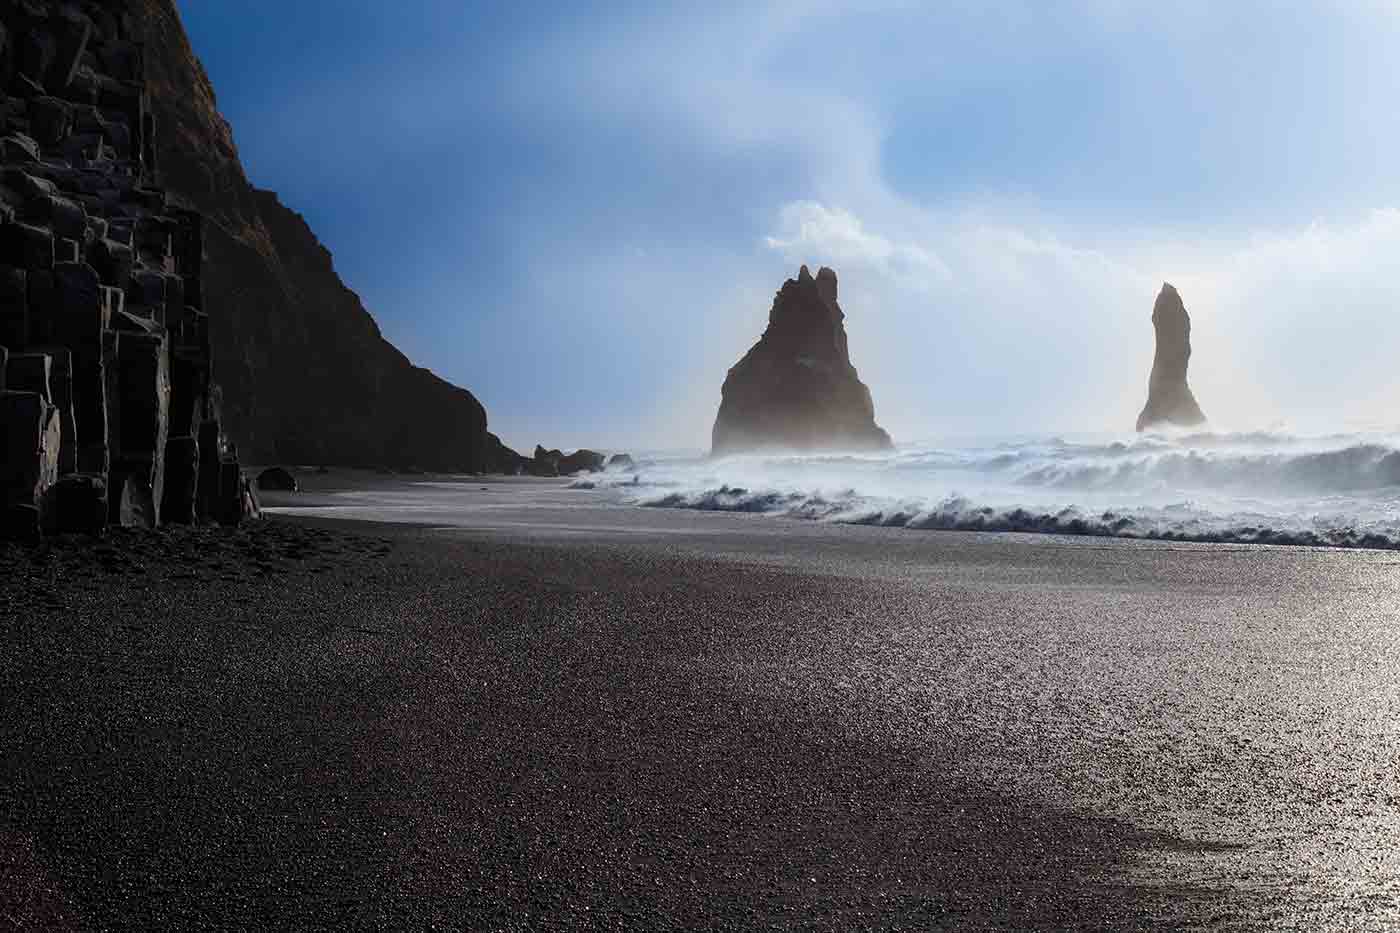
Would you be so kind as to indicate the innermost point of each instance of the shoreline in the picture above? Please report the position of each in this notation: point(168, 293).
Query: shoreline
point(668, 719)
point(547, 498)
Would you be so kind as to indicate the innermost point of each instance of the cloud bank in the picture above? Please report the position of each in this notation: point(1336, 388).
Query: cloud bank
point(1002, 189)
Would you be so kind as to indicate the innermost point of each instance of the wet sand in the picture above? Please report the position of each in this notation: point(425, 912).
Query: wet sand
point(569, 715)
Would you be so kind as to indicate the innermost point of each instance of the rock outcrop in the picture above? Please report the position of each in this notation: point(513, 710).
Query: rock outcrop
point(278, 479)
point(557, 463)
point(103, 316)
point(1169, 398)
point(307, 377)
point(796, 388)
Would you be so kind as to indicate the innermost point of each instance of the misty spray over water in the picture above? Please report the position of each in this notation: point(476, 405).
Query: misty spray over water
point(1336, 490)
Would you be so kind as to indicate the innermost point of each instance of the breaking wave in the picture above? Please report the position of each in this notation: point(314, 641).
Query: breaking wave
point(1263, 488)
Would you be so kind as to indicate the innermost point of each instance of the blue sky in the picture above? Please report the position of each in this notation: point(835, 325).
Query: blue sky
point(581, 216)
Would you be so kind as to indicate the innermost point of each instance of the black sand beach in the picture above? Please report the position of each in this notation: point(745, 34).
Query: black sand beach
point(584, 717)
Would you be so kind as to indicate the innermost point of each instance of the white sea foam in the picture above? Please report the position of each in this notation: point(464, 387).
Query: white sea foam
point(1339, 490)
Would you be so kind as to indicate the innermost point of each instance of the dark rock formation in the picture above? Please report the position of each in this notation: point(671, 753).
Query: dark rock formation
point(29, 467)
point(307, 377)
point(279, 479)
point(557, 463)
point(61, 388)
point(180, 497)
point(580, 461)
point(139, 295)
point(1169, 398)
point(796, 388)
point(102, 286)
point(80, 504)
point(236, 500)
point(501, 459)
point(132, 504)
point(543, 463)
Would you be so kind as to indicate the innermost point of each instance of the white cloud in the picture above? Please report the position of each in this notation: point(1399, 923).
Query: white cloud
point(808, 230)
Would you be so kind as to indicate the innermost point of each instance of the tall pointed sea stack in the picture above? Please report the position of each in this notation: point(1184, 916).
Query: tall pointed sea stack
point(1169, 398)
point(796, 388)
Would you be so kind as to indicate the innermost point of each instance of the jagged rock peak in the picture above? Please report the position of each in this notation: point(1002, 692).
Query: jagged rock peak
point(1169, 398)
point(796, 388)
point(826, 283)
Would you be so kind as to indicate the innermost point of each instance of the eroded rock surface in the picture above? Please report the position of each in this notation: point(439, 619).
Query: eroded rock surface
point(278, 479)
point(307, 376)
point(1169, 398)
point(107, 355)
point(796, 388)
point(557, 463)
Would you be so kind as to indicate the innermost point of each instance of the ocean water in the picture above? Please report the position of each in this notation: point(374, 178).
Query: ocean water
point(1338, 490)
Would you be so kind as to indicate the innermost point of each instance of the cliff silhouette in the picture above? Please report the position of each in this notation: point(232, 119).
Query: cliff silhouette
point(307, 376)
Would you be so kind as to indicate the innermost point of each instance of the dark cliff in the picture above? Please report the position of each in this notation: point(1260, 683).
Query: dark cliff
point(796, 388)
point(108, 409)
point(307, 377)
point(1169, 398)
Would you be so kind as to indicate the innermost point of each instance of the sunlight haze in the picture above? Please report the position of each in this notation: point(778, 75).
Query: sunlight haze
point(1001, 191)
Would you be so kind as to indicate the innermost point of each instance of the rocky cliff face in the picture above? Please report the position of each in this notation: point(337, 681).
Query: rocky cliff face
point(796, 388)
point(1169, 398)
point(306, 374)
point(107, 408)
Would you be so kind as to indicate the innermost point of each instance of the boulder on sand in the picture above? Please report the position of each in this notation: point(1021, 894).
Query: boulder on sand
point(237, 500)
point(79, 504)
point(277, 479)
point(22, 523)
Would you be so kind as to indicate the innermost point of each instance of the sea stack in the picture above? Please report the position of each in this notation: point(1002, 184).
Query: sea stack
point(1169, 398)
point(796, 388)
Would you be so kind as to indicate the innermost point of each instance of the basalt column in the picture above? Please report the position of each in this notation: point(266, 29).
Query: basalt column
point(103, 340)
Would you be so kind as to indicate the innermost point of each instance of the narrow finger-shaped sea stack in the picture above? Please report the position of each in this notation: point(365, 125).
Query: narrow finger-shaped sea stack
point(796, 388)
point(1169, 398)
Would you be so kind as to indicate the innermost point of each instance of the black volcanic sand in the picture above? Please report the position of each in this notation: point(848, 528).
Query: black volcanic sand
point(785, 725)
